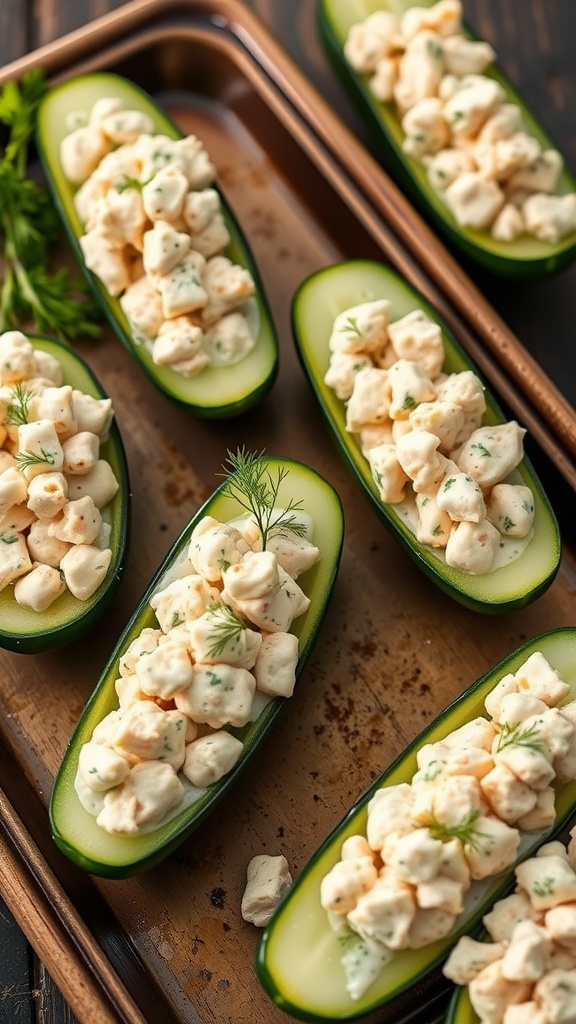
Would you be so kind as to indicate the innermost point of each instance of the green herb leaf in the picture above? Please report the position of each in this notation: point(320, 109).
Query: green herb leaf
point(251, 484)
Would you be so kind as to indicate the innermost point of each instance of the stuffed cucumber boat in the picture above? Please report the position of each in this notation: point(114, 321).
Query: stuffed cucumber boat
point(64, 446)
point(170, 266)
point(214, 697)
point(307, 964)
point(324, 312)
point(510, 243)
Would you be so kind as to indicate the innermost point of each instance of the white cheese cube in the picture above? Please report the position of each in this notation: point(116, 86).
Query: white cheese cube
point(550, 218)
point(504, 122)
point(182, 289)
point(276, 663)
point(165, 670)
point(506, 914)
point(466, 57)
point(93, 414)
point(425, 128)
point(388, 474)
point(211, 757)
point(548, 881)
point(79, 522)
point(444, 419)
point(101, 767)
point(416, 338)
point(509, 224)
point(410, 385)
point(99, 484)
point(190, 155)
point(47, 495)
point(183, 600)
point(81, 152)
point(383, 81)
point(214, 547)
point(491, 453)
point(537, 677)
point(177, 340)
point(119, 216)
point(164, 247)
point(13, 488)
point(389, 810)
point(342, 371)
point(149, 793)
point(555, 993)
point(361, 328)
point(444, 17)
point(560, 923)
point(371, 39)
point(103, 257)
point(474, 201)
point(39, 448)
point(476, 99)
point(543, 815)
point(461, 497)
point(163, 195)
point(14, 558)
point(420, 70)
point(469, 957)
point(218, 695)
point(384, 913)
point(122, 126)
point(142, 305)
point(227, 285)
point(16, 357)
point(472, 546)
point(445, 166)
point(540, 174)
point(202, 214)
point(491, 993)
point(342, 886)
point(229, 340)
point(370, 399)
point(415, 857)
point(85, 567)
point(494, 848)
point(55, 404)
point(80, 453)
point(509, 798)
point(215, 637)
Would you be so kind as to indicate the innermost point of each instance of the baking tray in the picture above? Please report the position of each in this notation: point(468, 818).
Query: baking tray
point(170, 946)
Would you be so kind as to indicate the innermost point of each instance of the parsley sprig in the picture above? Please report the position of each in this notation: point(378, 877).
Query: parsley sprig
point(29, 227)
point(252, 485)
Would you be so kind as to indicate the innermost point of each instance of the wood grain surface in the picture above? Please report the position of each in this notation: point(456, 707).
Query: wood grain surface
point(534, 42)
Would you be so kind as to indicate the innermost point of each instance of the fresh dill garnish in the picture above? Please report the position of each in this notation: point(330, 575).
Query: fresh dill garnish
point(252, 485)
point(517, 735)
point(128, 183)
point(27, 458)
point(225, 628)
point(29, 226)
point(350, 326)
point(17, 411)
point(466, 831)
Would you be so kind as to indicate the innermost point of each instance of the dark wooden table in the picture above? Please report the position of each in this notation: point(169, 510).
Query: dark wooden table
point(534, 41)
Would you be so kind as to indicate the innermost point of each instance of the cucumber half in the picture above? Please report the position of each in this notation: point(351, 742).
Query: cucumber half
point(216, 391)
point(318, 300)
point(74, 829)
point(523, 258)
point(298, 959)
point(67, 619)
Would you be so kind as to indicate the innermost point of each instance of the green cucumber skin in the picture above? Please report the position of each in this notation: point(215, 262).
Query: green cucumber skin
point(434, 569)
point(563, 640)
point(499, 264)
point(137, 862)
point(267, 330)
point(63, 633)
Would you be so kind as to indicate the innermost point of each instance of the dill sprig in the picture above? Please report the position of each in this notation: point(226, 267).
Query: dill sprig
point(466, 831)
point(252, 485)
point(225, 628)
point(129, 183)
point(28, 458)
point(350, 326)
point(17, 411)
point(520, 736)
point(29, 226)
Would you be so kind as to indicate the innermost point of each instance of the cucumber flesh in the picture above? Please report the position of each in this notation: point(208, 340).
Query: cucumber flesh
point(298, 959)
point(319, 299)
point(216, 391)
point(523, 258)
point(67, 619)
point(74, 829)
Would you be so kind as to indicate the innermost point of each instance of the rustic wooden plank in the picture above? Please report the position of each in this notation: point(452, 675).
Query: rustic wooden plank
point(51, 19)
point(15, 981)
point(14, 40)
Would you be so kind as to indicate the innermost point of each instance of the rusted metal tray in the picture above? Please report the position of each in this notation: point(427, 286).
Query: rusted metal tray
point(170, 946)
